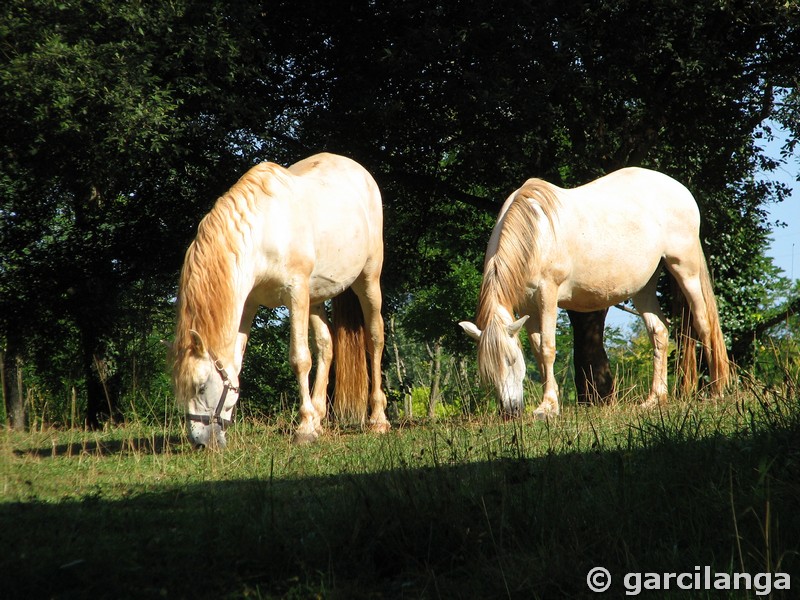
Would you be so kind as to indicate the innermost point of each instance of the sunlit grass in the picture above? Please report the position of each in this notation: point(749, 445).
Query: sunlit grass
point(469, 506)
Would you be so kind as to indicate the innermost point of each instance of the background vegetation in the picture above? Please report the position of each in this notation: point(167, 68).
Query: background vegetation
point(123, 122)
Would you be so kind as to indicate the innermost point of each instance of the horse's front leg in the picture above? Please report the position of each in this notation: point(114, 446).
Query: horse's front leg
point(546, 357)
point(300, 360)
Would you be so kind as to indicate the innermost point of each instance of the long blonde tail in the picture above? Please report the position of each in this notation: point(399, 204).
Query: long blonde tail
point(350, 397)
point(686, 345)
point(717, 355)
point(719, 365)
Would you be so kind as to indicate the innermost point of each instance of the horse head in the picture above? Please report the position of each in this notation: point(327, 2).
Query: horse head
point(501, 362)
point(209, 389)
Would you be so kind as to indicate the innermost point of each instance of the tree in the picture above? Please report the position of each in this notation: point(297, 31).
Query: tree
point(121, 126)
point(460, 102)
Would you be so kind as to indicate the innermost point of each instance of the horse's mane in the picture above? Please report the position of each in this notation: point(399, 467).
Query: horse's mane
point(506, 273)
point(207, 287)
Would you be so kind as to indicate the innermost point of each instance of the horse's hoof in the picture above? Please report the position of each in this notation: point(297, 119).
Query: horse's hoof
point(380, 427)
point(649, 403)
point(543, 414)
point(301, 439)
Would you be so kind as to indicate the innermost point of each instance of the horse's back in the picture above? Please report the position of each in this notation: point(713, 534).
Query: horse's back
point(349, 182)
point(633, 203)
point(615, 231)
point(634, 190)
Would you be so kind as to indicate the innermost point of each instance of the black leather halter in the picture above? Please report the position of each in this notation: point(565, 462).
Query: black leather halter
point(226, 387)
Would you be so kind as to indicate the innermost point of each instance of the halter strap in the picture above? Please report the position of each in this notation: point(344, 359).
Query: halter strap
point(226, 387)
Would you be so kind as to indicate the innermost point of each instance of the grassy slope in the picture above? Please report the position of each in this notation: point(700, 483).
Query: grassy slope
point(465, 508)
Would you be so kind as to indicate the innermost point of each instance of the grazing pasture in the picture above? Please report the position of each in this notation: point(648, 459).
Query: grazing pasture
point(470, 507)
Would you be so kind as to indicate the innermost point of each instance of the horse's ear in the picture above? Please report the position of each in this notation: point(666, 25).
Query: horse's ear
point(471, 330)
point(514, 328)
point(170, 346)
point(199, 345)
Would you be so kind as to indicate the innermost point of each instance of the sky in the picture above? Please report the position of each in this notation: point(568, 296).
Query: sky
point(785, 246)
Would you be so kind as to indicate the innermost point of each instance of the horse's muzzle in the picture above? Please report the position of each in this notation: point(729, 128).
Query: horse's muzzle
point(207, 436)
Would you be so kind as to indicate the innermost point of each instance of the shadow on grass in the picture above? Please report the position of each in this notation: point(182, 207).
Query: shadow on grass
point(511, 527)
point(158, 444)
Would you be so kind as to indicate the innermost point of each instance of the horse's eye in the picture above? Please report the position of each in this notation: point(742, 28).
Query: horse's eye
point(201, 389)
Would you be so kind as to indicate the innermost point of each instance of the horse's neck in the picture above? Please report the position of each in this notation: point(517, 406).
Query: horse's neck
point(242, 275)
point(492, 307)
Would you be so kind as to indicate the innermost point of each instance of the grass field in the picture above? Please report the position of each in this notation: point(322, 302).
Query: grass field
point(463, 508)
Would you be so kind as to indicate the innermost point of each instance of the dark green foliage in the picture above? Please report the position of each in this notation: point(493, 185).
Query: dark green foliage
point(267, 381)
point(114, 143)
point(122, 124)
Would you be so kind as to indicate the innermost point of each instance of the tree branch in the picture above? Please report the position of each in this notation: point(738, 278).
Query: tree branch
point(434, 186)
point(624, 308)
point(784, 313)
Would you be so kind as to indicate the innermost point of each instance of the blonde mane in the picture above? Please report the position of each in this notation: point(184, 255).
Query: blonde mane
point(506, 273)
point(207, 288)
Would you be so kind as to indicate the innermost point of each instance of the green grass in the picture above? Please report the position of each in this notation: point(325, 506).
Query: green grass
point(461, 508)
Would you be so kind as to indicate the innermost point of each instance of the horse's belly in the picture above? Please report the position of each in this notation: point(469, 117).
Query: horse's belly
point(602, 289)
point(583, 300)
point(323, 288)
point(331, 277)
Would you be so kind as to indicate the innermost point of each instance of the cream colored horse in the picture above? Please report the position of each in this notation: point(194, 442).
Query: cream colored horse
point(585, 249)
point(291, 237)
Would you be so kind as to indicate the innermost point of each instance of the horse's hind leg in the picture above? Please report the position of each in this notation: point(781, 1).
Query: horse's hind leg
point(323, 343)
point(300, 360)
point(369, 295)
point(646, 302)
point(688, 273)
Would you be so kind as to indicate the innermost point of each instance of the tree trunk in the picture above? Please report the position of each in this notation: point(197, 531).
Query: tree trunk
point(742, 346)
point(436, 376)
point(401, 373)
point(100, 403)
point(593, 378)
point(3, 388)
point(96, 405)
point(466, 389)
point(13, 394)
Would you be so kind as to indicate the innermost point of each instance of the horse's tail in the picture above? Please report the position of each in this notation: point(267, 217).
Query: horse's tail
point(717, 355)
point(719, 365)
point(350, 357)
point(686, 344)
